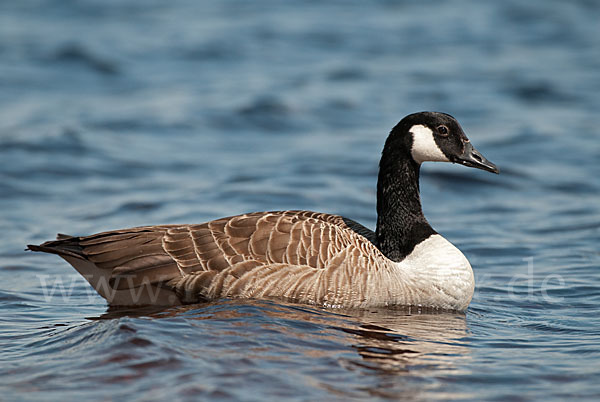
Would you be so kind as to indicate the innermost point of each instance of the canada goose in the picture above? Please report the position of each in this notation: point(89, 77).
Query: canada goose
point(303, 256)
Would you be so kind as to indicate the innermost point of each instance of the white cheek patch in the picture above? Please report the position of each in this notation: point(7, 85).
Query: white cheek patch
point(424, 148)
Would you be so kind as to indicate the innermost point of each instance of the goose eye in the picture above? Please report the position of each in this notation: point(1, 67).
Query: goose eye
point(442, 130)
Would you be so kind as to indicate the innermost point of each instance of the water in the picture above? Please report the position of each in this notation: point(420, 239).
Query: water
point(120, 113)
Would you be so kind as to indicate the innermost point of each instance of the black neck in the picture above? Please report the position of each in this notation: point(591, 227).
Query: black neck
point(401, 224)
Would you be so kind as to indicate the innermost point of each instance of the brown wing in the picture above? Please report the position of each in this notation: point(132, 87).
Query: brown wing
point(297, 254)
point(257, 254)
point(287, 237)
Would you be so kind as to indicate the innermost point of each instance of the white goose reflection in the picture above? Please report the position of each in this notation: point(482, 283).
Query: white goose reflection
point(409, 340)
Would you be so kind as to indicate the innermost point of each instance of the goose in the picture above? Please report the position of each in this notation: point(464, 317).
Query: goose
point(300, 256)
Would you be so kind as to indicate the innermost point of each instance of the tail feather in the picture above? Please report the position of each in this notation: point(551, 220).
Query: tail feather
point(126, 267)
point(65, 246)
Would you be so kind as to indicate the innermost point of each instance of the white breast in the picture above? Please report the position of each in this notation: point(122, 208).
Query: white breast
point(440, 275)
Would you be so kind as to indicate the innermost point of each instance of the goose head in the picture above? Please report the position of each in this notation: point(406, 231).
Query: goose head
point(437, 137)
point(417, 138)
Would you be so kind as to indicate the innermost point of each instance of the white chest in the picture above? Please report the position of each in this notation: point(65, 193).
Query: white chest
point(437, 274)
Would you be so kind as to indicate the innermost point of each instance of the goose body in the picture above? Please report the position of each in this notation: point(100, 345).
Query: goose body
point(302, 256)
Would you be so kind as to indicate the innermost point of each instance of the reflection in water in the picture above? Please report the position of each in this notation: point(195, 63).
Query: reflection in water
point(397, 341)
point(391, 346)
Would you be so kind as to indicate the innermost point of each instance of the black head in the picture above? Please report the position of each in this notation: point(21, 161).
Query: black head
point(437, 137)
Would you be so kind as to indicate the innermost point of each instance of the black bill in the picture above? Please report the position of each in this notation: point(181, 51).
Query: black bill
point(472, 158)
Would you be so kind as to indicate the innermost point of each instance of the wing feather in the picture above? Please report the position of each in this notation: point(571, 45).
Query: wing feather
point(298, 254)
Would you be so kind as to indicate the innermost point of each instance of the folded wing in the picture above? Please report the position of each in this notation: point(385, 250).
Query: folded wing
point(295, 254)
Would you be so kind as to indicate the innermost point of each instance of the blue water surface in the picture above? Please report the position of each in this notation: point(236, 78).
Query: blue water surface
point(123, 113)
